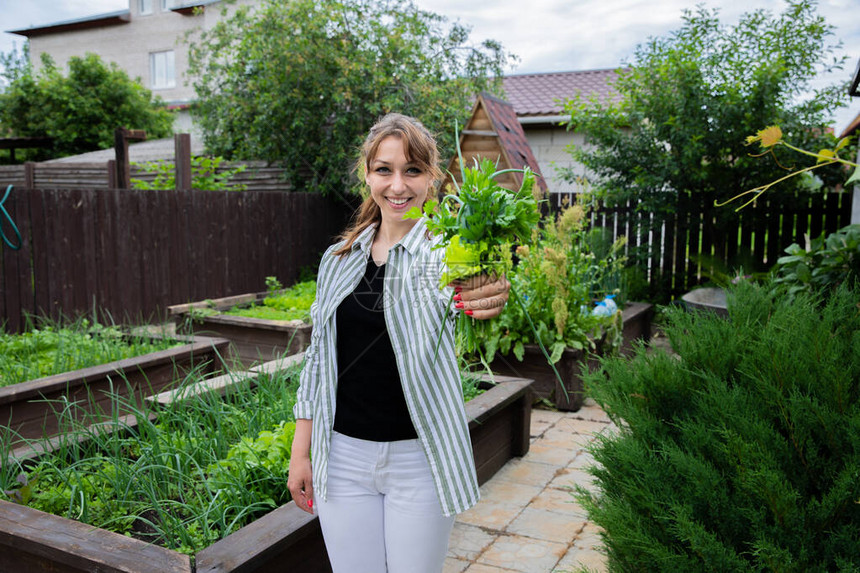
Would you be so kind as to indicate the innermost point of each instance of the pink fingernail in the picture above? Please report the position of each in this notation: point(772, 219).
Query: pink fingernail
point(458, 289)
point(311, 503)
point(469, 312)
point(459, 305)
point(457, 297)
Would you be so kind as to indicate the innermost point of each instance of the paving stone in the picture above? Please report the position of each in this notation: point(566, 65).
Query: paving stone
point(546, 525)
point(551, 452)
point(522, 554)
point(589, 411)
point(522, 471)
point(542, 420)
point(454, 565)
point(570, 477)
point(590, 537)
point(481, 568)
point(586, 427)
point(490, 514)
point(559, 501)
point(583, 460)
point(575, 559)
point(468, 541)
point(509, 492)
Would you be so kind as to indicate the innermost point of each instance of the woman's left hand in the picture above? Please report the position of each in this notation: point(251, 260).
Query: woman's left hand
point(481, 296)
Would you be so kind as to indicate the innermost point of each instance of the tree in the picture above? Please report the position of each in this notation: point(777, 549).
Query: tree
point(14, 64)
point(689, 100)
point(299, 83)
point(79, 111)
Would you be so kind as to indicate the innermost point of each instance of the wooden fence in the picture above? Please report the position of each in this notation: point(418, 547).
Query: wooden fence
point(258, 176)
point(133, 253)
point(678, 251)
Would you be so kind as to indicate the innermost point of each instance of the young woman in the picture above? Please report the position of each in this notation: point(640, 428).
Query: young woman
point(381, 450)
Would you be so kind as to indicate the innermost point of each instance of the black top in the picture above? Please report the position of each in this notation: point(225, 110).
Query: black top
point(370, 403)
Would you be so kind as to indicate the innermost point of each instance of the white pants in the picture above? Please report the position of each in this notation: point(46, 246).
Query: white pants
point(382, 513)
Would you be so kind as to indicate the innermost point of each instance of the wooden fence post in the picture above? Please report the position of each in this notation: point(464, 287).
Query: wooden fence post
point(121, 136)
point(182, 161)
point(29, 175)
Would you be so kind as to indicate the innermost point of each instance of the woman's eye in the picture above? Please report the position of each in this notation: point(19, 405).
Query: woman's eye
point(414, 170)
point(382, 169)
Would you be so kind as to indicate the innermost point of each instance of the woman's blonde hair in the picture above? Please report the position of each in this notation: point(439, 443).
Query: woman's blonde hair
point(419, 145)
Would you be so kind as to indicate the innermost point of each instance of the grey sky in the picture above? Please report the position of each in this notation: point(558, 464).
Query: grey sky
point(547, 35)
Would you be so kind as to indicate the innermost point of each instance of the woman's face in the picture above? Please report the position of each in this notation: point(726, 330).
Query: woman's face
point(396, 184)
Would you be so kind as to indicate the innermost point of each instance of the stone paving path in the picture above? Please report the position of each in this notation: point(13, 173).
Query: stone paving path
point(527, 521)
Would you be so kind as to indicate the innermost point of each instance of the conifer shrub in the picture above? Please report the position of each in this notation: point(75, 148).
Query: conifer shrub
point(741, 452)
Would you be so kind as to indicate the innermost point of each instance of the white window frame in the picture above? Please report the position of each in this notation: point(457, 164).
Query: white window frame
point(168, 4)
point(145, 7)
point(162, 69)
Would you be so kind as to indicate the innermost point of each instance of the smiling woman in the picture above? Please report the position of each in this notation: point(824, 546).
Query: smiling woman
point(381, 412)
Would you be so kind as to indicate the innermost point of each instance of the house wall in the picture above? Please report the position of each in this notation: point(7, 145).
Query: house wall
point(548, 143)
point(129, 45)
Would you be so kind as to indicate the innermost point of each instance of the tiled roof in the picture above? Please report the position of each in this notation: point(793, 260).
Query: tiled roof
point(537, 94)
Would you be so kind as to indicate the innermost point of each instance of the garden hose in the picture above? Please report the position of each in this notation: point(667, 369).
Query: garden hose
point(5, 215)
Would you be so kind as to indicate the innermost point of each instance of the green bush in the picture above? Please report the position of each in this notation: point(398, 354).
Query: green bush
point(741, 453)
point(825, 263)
point(564, 269)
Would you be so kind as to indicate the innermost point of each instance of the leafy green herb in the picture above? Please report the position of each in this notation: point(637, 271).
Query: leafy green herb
point(479, 226)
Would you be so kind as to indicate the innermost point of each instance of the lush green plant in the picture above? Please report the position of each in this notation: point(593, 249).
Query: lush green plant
point(688, 100)
point(184, 481)
point(202, 469)
point(300, 83)
point(206, 174)
point(293, 303)
point(561, 272)
point(262, 463)
point(826, 262)
point(79, 111)
point(52, 348)
point(740, 453)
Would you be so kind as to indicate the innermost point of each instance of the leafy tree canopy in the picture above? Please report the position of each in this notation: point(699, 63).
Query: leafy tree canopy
point(299, 83)
point(689, 100)
point(79, 111)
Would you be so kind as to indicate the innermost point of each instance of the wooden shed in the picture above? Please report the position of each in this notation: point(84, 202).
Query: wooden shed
point(493, 132)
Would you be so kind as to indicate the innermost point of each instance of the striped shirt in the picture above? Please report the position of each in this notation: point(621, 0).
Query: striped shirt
point(415, 311)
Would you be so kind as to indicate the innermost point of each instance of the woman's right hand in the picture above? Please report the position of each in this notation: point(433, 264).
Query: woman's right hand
point(300, 483)
point(300, 479)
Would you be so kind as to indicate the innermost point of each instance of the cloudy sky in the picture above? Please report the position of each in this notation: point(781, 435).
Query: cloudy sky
point(548, 35)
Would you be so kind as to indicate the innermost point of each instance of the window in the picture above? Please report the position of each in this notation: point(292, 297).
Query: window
point(168, 4)
point(161, 70)
point(145, 6)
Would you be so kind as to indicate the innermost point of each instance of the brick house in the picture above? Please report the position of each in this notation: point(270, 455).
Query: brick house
point(148, 41)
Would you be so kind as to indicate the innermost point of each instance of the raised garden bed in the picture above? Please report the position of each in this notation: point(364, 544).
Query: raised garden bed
point(284, 539)
point(30, 410)
point(636, 318)
point(252, 340)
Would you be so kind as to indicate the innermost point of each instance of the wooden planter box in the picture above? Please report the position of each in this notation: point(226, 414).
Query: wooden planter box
point(28, 410)
point(636, 318)
point(252, 340)
point(286, 539)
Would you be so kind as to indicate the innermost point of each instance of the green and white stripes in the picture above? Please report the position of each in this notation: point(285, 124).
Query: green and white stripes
point(415, 311)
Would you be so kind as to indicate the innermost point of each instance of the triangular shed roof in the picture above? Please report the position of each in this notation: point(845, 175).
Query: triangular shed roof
point(493, 132)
